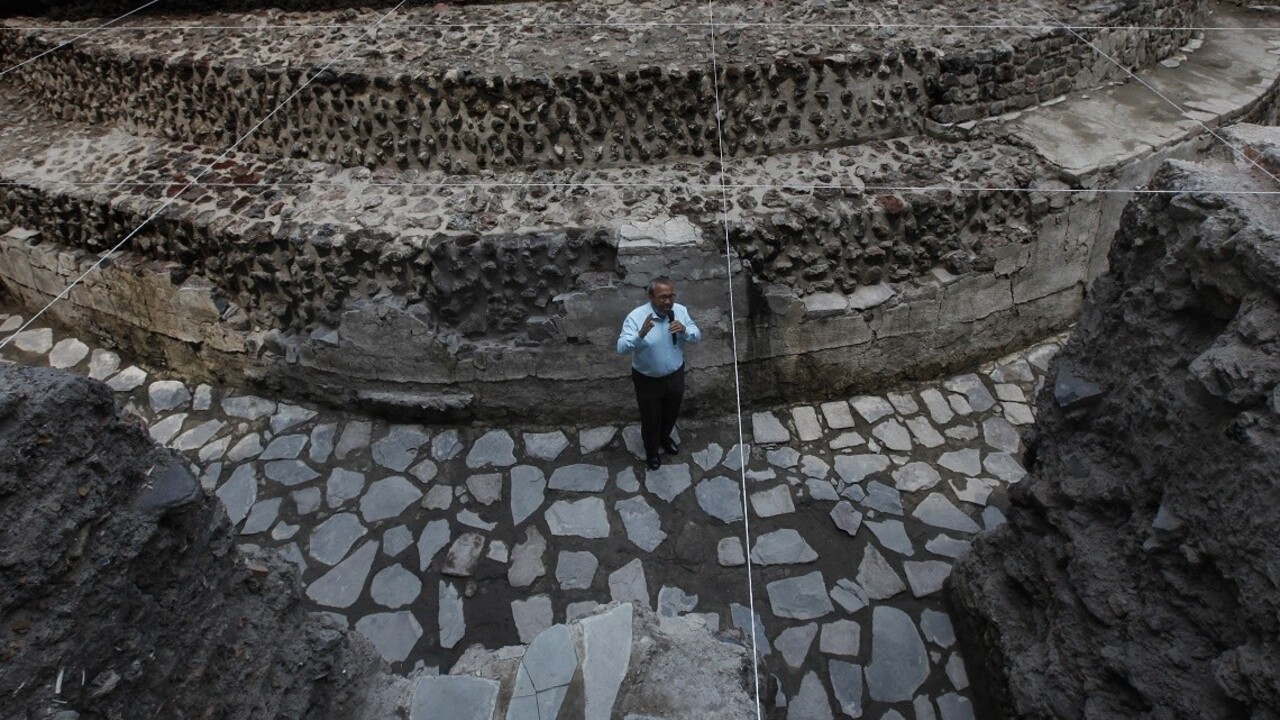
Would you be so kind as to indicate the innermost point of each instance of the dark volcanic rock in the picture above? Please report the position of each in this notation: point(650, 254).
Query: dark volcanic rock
point(121, 586)
point(1137, 576)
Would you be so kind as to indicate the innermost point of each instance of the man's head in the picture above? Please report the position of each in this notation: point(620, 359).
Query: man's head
point(662, 294)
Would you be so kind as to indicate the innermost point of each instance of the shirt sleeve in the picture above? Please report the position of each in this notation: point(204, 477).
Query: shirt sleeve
point(630, 340)
point(691, 332)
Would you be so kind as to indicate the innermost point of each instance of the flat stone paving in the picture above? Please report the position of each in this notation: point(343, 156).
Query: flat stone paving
point(429, 539)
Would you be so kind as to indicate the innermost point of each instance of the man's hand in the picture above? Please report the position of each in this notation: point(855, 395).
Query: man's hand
point(648, 325)
point(676, 327)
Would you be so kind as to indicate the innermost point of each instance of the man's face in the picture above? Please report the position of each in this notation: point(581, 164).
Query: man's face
point(663, 296)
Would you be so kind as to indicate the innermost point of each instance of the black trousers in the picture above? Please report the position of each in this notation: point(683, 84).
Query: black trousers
point(659, 401)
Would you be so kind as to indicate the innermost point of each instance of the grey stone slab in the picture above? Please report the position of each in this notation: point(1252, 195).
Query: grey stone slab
point(992, 518)
point(628, 584)
point(782, 457)
point(893, 435)
point(248, 407)
point(916, 476)
point(1018, 413)
point(923, 708)
point(846, 440)
point(498, 552)
point(633, 441)
point(128, 379)
point(974, 490)
point(926, 577)
point(626, 481)
point(736, 456)
point(1008, 392)
point(197, 436)
point(290, 472)
point(288, 416)
point(396, 540)
point(577, 610)
point(892, 535)
point(592, 439)
point(871, 408)
point(813, 466)
point(387, 498)
point(849, 595)
point(165, 429)
point(748, 622)
point(766, 429)
point(576, 570)
point(212, 475)
point(973, 390)
point(955, 707)
point(966, 462)
point(668, 481)
point(937, 510)
point(956, 672)
point(451, 619)
point(528, 492)
point(838, 415)
point(399, 448)
point(729, 552)
point(532, 617)
point(794, 643)
point(472, 520)
point(673, 601)
point(393, 635)
point(963, 433)
point(239, 493)
point(38, 341)
point(102, 364)
point(582, 518)
point(485, 488)
point(549, 701)
point(11, 322)
point(432, 540)
point(846, 681)
point(425, 471)
point(821, 490)
point(642, 523)
point(463, 555)
point(812, 701)
point(527, 564)
point(947, 546)
point(246, 447)
point(322, 437)
point(1042, 355)
point(883, 498)
point(606, 640)
point(454, 697)
point(343, 485)
point(924, 432)
point(354, 438)
point(167, 395)
point(306, 500)
point(801, 598)
point(394, 587)
point(856, 468)
point(1003, 466)
point(846, 517)
point(899, 664)
point(937, 628)
point(579, 478)
point(1000, 434)
point(284, 531)
point(552, 659)
point(877, 577)
point(805, 419)
point(446, 445)
point(721, 498)
point(782, 547)
point(284, 447)
point(545, 446)
point(439, 497)
point(215, 450)
point(203, 399)
point(262, 516)
point(709, 456)
point(937, 406)
point(903, 403)
point(494, 449)
point(332, 538)
point(842, 637)
point(342, 586)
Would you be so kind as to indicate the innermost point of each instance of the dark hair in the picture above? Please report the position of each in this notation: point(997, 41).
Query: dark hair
point(660, 280)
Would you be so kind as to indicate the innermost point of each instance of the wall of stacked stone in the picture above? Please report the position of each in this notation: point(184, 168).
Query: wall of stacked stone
point(81, 9)
point(462, 122)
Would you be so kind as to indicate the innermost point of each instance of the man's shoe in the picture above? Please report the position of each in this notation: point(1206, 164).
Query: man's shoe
point(654, 462)
point(670, 447)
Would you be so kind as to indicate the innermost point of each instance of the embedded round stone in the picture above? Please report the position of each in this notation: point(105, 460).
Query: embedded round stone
point(388, 498)
point(899, 664)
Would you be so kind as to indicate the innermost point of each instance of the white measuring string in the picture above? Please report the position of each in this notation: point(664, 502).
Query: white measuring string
point(1159, 94)
point(737, 382)
point(195, 181)
point(87, 33)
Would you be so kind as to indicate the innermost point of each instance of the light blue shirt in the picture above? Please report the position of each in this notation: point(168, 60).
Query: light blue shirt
point(655, 354)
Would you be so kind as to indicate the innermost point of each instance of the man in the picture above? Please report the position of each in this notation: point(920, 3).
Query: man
point(655, 335)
